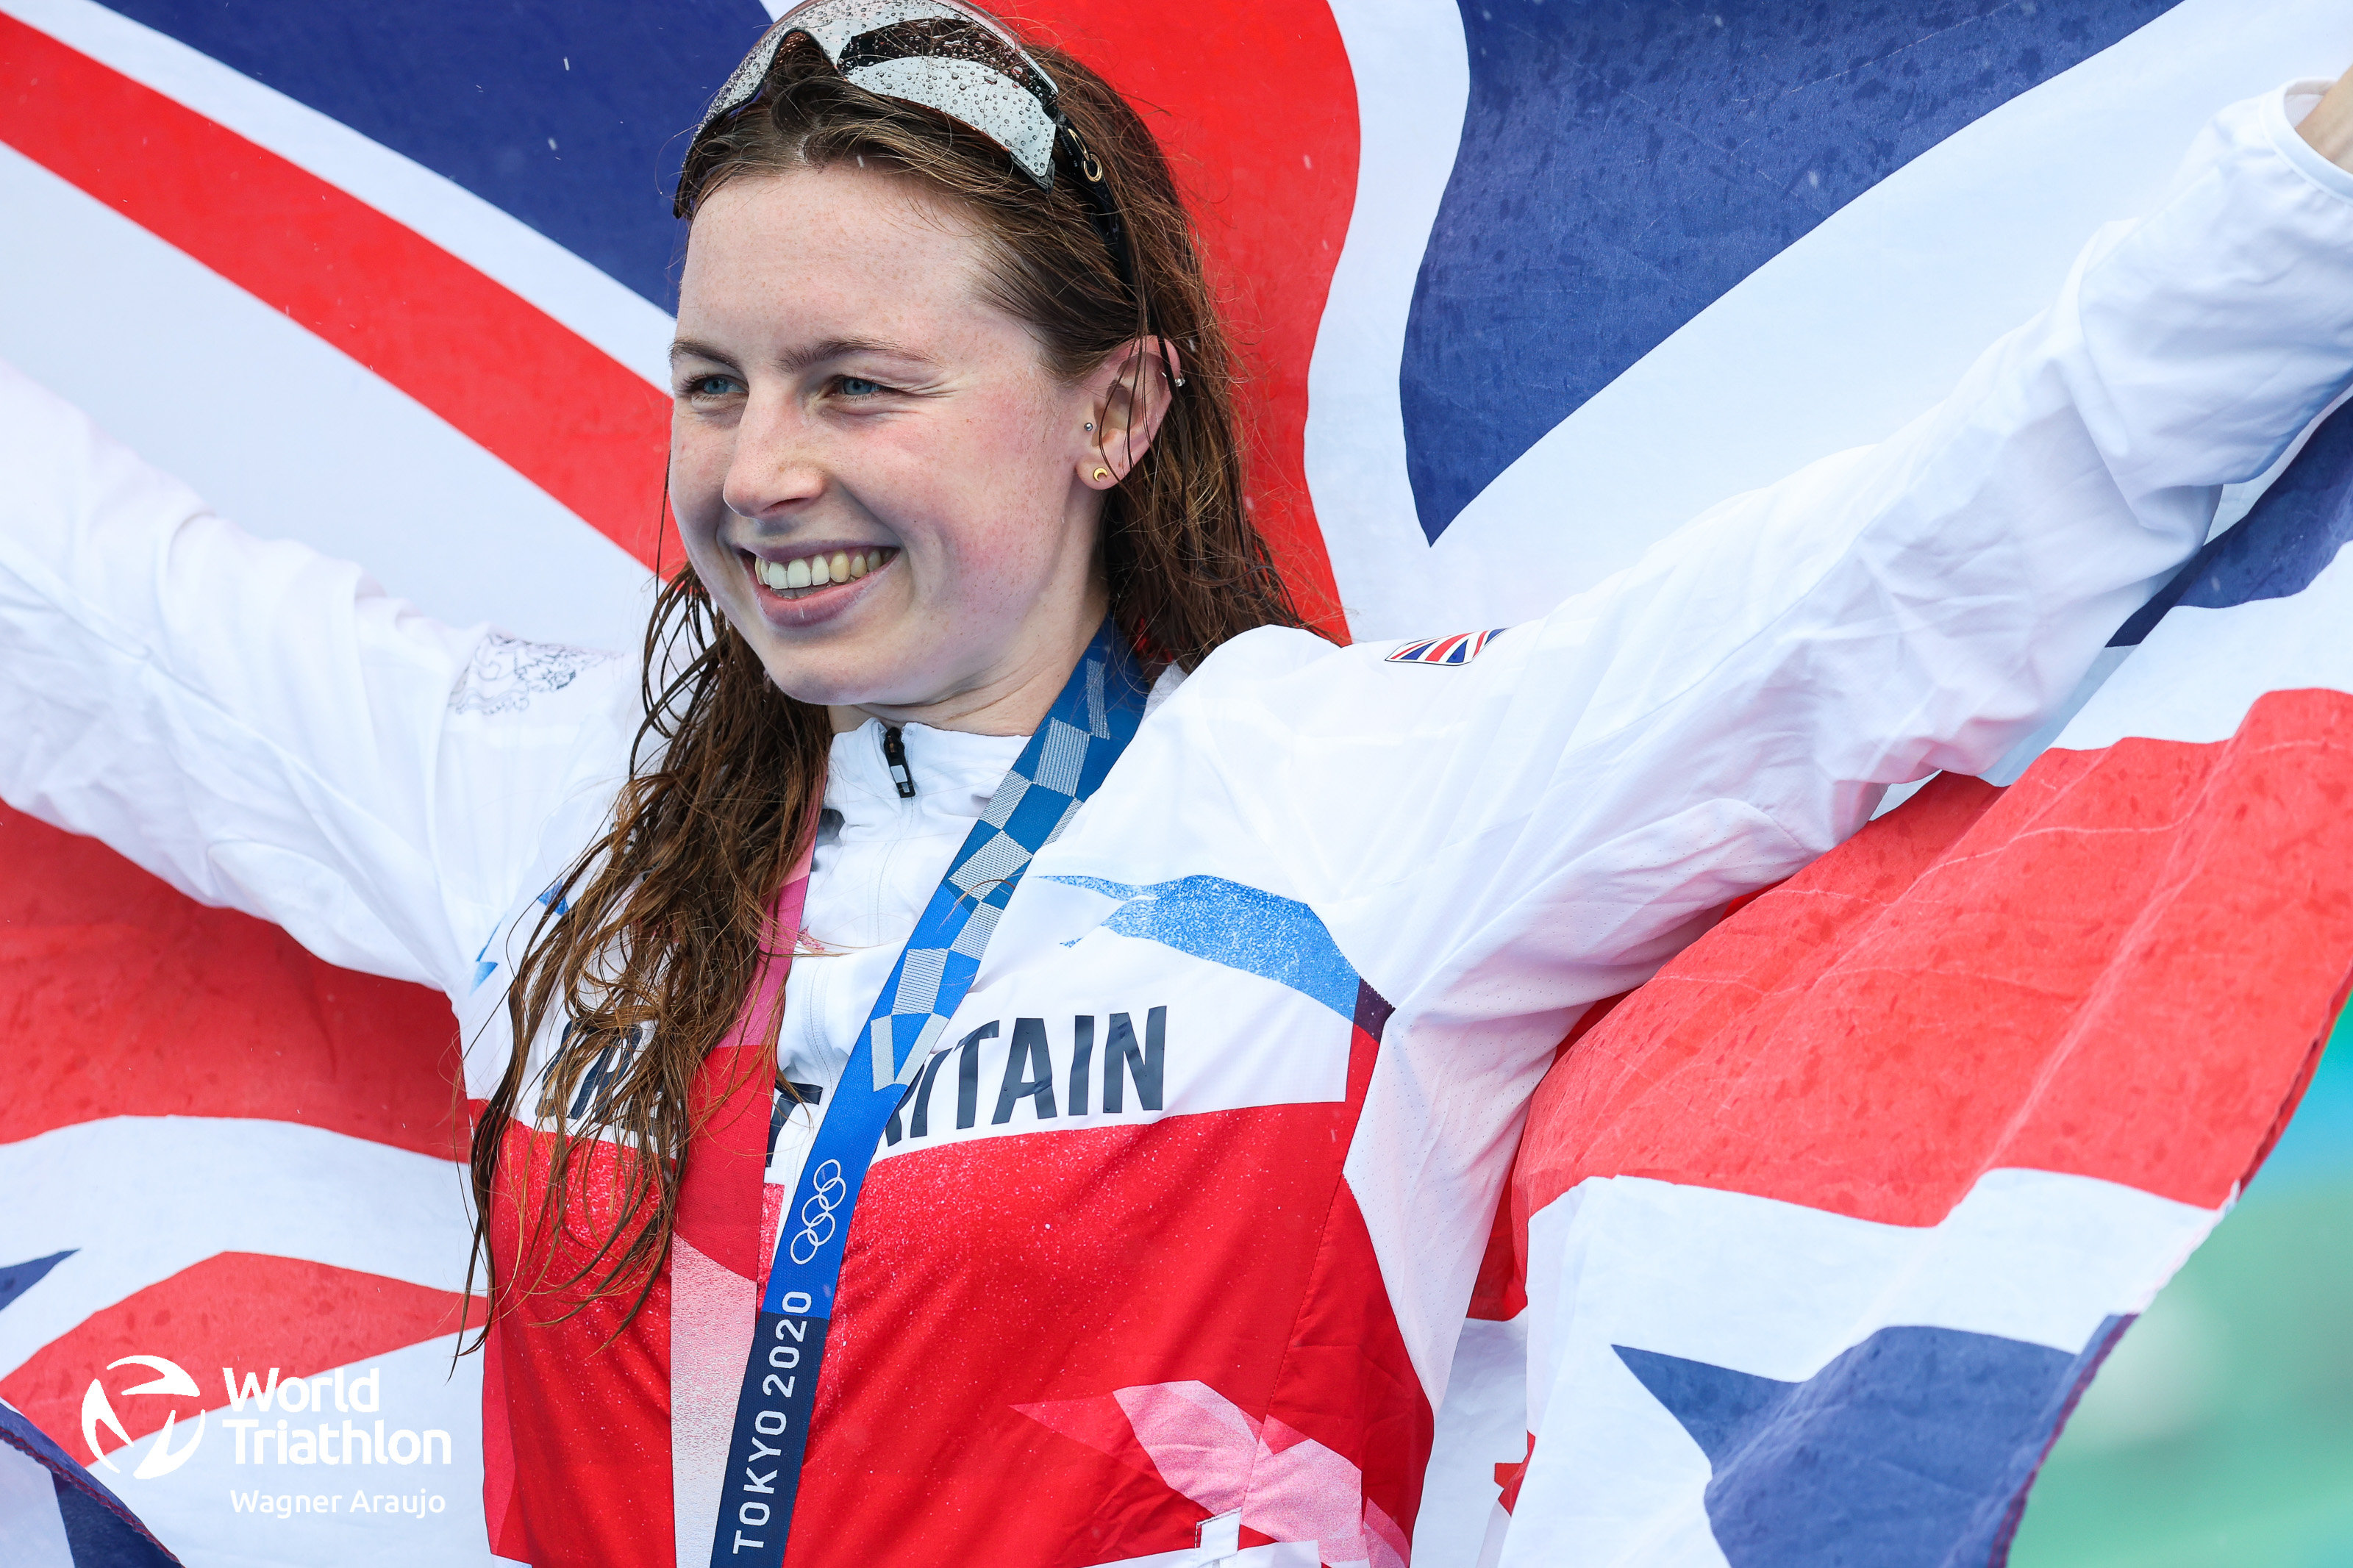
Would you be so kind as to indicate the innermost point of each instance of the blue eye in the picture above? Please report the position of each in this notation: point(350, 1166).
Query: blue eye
point(859, 386)
point(710, 386)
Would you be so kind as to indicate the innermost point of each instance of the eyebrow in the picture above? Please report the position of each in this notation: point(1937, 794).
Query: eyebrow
point(689, 348)
point(803, 358)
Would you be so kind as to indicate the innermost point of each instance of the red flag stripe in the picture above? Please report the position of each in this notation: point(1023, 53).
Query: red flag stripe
point(2120, 968)
point(589, 432)
point(200, 1012)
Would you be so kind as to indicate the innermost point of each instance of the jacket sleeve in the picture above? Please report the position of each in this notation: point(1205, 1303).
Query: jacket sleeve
point(263, 727)
point(1546, 824)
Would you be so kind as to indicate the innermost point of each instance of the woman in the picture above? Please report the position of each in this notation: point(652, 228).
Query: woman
point(1129, 998)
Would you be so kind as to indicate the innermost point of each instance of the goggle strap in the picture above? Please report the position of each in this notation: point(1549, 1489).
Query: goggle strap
point(1102, 208)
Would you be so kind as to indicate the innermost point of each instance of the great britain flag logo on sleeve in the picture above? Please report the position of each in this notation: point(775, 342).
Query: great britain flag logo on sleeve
point(1526, 285)
point(1459, 649)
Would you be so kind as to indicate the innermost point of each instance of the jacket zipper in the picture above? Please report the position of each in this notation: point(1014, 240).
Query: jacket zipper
point(894, 752)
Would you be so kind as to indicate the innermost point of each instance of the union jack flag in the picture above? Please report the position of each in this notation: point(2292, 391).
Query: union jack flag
point(1525, 285)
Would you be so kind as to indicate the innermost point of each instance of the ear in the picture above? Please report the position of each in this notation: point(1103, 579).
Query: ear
point(1129, 392)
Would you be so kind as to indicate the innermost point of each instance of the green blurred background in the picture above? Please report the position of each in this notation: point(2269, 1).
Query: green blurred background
point(2219, 1435)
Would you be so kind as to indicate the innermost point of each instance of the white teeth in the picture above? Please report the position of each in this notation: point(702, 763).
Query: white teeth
point(817, 571)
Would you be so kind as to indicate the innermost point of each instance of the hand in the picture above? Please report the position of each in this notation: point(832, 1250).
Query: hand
point(2330, 126)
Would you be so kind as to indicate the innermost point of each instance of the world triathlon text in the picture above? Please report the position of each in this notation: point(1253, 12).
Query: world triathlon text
point(284, 1442)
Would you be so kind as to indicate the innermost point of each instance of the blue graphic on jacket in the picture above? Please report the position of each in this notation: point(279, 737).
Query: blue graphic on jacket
point(1240, 927)
point(1911, 1451)
point(1622, 167)
point(485, 965)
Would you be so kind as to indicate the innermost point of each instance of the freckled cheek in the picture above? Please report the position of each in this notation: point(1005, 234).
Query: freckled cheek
point(1005, 499)
point(945, 518)
point(993, 561)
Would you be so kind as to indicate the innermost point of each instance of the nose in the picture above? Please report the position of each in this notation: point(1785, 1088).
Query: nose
point(775, 466)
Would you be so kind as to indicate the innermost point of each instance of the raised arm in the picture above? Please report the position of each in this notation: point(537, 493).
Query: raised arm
point(1543, 825)
point(2328, 129)
point(261, 726)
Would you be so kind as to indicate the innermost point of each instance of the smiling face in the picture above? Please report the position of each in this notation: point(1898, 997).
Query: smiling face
point(848, 401)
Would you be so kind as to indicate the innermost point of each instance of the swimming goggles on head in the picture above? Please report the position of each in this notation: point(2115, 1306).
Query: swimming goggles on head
point(937, 53)
point(946, 56)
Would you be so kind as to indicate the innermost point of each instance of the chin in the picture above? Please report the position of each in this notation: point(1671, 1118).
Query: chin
point(796, 681)
point(844, 682)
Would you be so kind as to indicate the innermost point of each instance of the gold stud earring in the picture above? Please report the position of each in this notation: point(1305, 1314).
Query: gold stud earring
point(1101, 474)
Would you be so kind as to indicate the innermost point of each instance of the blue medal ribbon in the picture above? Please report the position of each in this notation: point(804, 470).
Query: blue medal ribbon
point(1065, 762)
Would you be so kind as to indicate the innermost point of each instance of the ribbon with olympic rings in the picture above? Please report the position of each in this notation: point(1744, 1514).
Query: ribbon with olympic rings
point(831, 1189)
point(1065, 762)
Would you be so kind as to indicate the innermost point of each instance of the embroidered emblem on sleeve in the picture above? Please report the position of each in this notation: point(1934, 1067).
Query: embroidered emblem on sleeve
point(1462, 648)
point(507, 673)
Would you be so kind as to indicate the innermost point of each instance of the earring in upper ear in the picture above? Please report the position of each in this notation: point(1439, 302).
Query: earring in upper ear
point(1101, 474)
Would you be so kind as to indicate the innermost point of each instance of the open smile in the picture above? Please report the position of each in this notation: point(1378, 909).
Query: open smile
point(805, 575)
point(806, 589)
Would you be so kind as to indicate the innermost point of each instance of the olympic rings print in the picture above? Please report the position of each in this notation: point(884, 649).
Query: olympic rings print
point(817, 1224)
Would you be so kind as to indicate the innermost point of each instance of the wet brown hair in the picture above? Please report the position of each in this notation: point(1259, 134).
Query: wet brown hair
point(656, 930)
